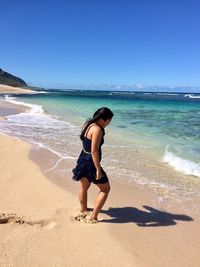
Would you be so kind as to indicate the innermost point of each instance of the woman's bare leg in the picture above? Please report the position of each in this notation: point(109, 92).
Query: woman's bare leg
point(101, 199)
point(85, 184)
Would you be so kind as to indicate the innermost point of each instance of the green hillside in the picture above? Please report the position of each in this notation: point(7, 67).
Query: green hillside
point(9, 79)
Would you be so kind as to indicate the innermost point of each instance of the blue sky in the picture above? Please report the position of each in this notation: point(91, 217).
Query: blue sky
point(70, 42)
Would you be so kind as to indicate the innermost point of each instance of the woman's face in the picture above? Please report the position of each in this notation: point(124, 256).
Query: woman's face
point(103, 123)
point(106, 122)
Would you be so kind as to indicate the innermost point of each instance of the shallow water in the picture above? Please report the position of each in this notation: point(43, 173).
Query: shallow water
point(150, 134)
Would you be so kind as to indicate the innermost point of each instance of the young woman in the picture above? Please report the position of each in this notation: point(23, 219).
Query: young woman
point(88, 168)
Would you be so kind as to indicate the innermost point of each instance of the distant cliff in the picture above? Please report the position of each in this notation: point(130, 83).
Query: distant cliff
point(9, 79)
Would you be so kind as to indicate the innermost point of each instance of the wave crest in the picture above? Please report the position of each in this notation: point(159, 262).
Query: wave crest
point(183, 165)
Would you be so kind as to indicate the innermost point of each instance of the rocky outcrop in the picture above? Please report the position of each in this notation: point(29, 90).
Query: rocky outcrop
point(9, 79)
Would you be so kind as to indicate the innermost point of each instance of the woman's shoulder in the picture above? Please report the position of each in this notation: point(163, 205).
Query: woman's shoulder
point(97, 130)
point(91, 129)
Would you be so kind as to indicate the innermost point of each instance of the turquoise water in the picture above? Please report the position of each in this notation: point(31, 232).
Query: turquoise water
point(162, 127)
point(154, 123)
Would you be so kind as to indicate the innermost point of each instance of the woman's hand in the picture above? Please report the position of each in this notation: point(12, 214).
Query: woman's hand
point(98, 174)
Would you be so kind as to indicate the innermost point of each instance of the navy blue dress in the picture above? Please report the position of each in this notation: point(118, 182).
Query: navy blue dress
point(85, 166)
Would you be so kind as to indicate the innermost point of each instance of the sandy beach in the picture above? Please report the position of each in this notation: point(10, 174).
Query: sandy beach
point(47, 235)
point(38, 228)
point(5, 89)
point(108, 91)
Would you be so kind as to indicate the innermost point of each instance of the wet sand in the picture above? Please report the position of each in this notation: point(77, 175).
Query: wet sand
point(36, 219)
point(37, 209)
point(155, 233)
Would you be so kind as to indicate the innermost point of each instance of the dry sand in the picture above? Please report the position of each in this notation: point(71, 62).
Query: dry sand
point(49, 236)
point(41, 230)
point(5, 89)
point(37, 226)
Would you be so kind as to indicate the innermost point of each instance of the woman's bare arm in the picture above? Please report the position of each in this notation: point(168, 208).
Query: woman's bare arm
point(96, 139)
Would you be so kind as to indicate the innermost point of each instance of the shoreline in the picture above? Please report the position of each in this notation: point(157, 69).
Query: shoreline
point(140, 230)
point(131, 209)
point(48, 211)
point(48, 164)
point(144, 168)
point(146, 172)
point(6, 89)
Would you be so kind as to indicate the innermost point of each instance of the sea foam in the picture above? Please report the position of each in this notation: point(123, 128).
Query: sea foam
point(192, 96)
point(183, 165)
point(40, 128)
point(33, 108)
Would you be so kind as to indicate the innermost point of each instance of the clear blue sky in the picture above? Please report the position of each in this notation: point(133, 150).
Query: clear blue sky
point(58, 43)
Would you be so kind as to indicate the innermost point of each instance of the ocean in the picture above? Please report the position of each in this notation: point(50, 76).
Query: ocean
point(153, 139)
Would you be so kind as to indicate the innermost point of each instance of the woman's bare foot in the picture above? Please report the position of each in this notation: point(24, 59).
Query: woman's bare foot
point(82, 214)
point(89, 218)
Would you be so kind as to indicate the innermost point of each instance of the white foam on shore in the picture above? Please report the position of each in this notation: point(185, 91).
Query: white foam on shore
point(41, 92)
point(192, 96)
point(35, 116)
point(36, 111)
point(34, 108)
point(183, 165)
point(131, 176)
point(39, 128)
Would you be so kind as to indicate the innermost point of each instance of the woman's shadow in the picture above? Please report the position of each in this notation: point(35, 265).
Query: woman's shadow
point(149, 218)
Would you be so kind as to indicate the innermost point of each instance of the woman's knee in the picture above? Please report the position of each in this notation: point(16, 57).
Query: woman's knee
point(104, 187)
point(85, 184)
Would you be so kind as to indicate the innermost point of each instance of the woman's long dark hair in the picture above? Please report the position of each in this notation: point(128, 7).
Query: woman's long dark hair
point(101, 113)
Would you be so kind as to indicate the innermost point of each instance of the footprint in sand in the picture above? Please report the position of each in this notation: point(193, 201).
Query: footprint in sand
point(85, 217)
point(13, 218)
point(49, 224)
